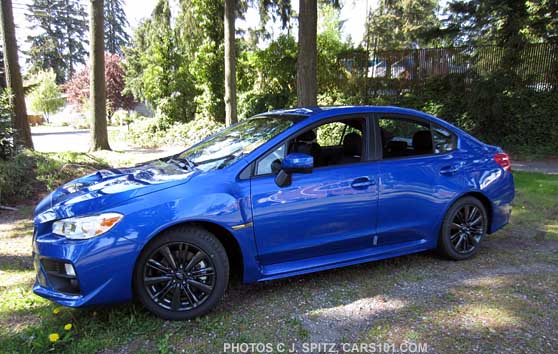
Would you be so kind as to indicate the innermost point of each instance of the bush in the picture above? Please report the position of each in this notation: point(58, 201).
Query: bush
point(521, 120)
point(7, 144)
point(122, 117)
point(16, 181)
point(30, 173)
point(156, 131)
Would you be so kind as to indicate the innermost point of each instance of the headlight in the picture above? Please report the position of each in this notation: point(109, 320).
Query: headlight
point(86, 227)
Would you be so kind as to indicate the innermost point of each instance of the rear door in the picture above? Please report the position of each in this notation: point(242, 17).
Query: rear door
point(327, 212)
point(419, 174)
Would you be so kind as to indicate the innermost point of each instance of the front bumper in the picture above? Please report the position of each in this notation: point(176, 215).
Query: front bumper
point(103, 268)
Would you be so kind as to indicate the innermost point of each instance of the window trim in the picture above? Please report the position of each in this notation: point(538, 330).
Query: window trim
point(366, 118)
point(380, 149)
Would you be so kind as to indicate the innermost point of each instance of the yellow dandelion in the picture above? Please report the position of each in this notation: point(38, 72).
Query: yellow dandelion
point(56, 311)
point(53, 337)
point(68, 326)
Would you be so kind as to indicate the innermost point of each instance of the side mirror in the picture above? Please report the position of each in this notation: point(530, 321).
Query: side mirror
point(298, 162)
point(294, 162)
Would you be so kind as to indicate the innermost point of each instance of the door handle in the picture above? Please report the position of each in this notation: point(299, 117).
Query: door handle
point(362, 182)
point(449, 170)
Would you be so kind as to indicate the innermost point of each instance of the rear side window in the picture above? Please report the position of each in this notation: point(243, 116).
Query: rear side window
point(405, 137)
point(444, 140)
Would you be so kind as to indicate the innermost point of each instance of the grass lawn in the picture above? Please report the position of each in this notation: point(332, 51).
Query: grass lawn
point(503, 300)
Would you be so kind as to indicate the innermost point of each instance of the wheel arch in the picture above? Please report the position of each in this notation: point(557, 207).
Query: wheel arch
point(227, 239)
point(485, 202)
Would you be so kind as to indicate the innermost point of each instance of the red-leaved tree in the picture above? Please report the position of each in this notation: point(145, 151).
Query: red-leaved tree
point(77, 88)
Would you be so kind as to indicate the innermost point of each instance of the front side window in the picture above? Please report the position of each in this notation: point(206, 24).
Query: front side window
point(271, 163)
point(405, 137)
point(235, 142)
point(332, 143)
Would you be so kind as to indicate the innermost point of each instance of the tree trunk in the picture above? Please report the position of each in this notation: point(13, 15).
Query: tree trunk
point(306, 70)
point(97, 95)
point(230, 63)
point(13, 77)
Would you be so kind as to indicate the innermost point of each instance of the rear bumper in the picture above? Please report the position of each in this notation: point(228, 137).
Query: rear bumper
point(501, 194)
point(500, 217)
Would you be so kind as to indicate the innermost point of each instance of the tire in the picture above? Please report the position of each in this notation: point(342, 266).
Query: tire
point(182, 273)
point(463, 229)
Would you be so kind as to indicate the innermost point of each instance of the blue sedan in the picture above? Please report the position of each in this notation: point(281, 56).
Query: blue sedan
point(280, 194)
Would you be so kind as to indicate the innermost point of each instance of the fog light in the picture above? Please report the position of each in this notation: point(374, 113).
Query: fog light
point(69, 269)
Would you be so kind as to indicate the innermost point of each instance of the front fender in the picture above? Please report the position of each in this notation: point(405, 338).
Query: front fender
point(225, 206)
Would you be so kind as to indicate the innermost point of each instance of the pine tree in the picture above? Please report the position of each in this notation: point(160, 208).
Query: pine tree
point(116, 23)
point(402, 24)
point(60, 27)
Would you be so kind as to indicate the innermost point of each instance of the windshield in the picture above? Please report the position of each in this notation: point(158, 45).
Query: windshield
point(231, 144)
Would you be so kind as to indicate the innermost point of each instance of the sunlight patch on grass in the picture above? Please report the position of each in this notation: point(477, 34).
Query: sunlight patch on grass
point(480, 315)
point(12, 278)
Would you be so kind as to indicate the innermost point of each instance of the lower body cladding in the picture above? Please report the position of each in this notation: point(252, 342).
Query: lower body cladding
point(84, 272)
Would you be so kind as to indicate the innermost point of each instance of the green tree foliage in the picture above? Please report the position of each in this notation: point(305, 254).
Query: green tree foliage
point(402, 24)
point(207, 67)
point(116, 23)
point(157, 67)
point(46, 96)
point(177, 66)
point(59, 36)
point(543, 20)
point(7, 144)
point(485, 22)
point(267, 77)
point(508, 24)
point(500, 22)
point(330, 46)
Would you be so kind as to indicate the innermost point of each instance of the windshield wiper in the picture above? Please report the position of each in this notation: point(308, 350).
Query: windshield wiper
point(225, 158)
point(183, 163)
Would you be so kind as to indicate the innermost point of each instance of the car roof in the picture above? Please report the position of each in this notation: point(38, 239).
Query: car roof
point(337, 110)
point(331, 111)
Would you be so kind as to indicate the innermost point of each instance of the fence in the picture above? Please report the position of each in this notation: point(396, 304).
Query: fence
point(393, 71)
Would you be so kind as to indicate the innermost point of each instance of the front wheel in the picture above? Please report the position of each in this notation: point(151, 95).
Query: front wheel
point(182, 274)
point(464, 227)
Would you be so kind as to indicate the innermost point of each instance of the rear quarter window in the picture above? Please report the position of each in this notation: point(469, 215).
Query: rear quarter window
point(444, 140)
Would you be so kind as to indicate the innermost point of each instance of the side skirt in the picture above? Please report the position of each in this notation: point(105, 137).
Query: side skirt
point(288, 269)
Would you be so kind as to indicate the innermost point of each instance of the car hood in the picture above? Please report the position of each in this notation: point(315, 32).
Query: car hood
point(106, 188)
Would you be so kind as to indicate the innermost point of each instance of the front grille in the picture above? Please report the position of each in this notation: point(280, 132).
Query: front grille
point(58, 278)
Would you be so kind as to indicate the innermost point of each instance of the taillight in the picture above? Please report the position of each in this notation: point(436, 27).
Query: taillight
point(503, 160)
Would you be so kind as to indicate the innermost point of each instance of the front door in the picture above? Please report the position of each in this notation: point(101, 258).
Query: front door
point(327, 212)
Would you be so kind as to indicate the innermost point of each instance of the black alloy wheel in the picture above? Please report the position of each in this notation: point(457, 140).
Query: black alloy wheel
point(179, 276)
point(464, 227)
point(467, 229)
point(182, 273)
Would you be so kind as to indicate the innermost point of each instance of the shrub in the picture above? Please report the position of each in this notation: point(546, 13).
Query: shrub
point(30, 173)
point(123, 117)
point(7, 145)
point(16, 178)
point(156, 131)
point(518, 119)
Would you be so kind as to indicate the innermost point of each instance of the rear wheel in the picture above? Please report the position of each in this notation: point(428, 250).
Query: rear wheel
point(182, 274)
point(463, 229)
